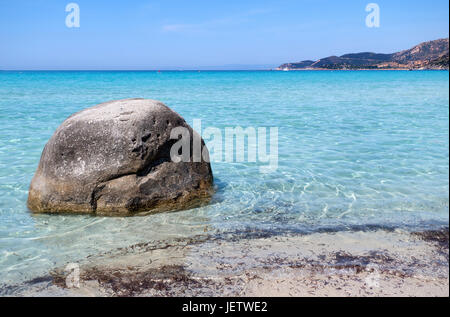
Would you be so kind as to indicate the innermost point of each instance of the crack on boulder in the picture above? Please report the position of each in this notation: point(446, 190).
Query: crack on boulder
point(150, 166)
point(160, 158)
point(95, 196)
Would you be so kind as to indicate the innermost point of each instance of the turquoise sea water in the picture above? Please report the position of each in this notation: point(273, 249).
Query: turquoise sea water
point(356, 149)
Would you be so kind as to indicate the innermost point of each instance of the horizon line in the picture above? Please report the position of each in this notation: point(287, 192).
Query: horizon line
point(207, 70)
point(133, 70)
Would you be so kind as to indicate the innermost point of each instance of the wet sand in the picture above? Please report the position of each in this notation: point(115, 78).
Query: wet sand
point(357, 263)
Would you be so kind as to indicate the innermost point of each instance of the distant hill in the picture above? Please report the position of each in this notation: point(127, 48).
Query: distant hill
point(303, 64)
point(427, 55)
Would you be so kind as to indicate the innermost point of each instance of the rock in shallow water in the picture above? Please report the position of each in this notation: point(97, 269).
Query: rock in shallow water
point(114, 159)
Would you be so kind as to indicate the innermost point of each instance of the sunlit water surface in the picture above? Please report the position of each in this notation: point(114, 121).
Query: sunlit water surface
point(356, 150)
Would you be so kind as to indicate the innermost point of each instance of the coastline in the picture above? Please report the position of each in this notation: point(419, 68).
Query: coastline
point(362, 69)
point(347, 263)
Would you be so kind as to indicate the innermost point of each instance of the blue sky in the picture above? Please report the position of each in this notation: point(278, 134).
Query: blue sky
point(146, 34)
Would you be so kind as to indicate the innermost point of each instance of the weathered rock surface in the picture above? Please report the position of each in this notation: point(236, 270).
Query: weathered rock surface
point(114, 159)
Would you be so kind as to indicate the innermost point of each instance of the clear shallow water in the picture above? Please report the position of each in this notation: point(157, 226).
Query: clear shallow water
point(355, 149)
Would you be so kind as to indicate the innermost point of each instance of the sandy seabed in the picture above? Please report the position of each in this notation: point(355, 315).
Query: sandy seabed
point(353, 263)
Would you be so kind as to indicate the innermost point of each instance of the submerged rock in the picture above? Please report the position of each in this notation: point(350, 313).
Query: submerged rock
point(114, 159)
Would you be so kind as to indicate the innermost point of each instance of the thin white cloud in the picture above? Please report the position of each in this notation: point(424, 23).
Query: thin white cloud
point(178, 27)
point(206, 25)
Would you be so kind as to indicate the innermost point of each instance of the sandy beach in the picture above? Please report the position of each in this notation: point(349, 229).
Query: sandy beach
point(375, 263)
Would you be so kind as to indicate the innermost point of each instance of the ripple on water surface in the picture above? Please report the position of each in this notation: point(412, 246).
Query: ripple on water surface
point(355, 149)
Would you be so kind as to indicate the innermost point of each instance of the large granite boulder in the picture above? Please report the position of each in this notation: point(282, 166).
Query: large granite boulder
point(114, 159)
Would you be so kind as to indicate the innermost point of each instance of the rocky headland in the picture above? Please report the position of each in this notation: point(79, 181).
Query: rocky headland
point(432, 55)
